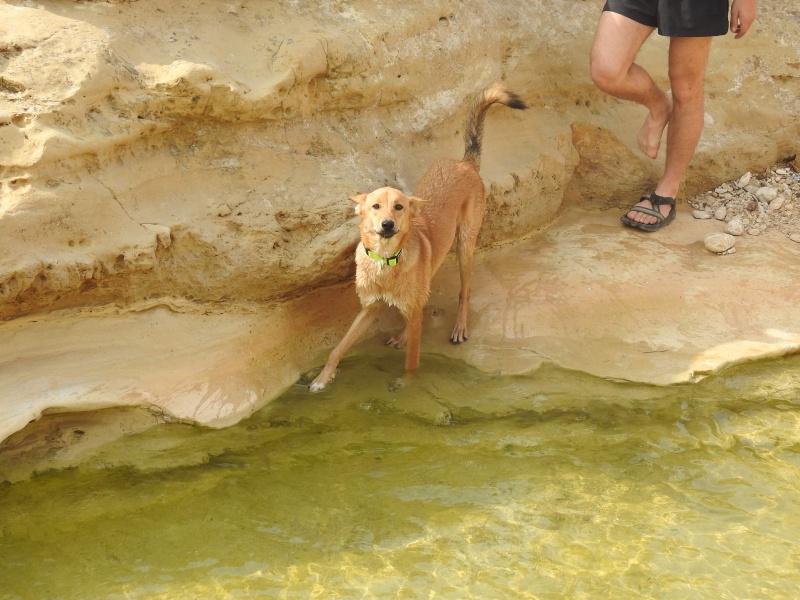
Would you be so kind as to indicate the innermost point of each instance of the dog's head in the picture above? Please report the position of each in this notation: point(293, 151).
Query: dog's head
point(386, 217)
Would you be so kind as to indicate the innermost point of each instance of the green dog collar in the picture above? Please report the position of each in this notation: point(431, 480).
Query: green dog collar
point(391, 261)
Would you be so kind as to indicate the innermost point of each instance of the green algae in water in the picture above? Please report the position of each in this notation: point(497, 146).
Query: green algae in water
point(461, 485)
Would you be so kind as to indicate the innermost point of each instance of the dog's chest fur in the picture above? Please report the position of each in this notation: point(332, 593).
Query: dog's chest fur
point(405, 285)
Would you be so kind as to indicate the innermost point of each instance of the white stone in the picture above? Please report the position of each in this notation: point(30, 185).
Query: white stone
point(795, 237)
point(700, 214)
point(744, 180)
point(734, 226)
point(720, 213)
point(777, 203)
point(767, 194)
point(719, 242)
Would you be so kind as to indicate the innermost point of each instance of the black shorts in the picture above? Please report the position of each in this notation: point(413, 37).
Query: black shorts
point(676, 18)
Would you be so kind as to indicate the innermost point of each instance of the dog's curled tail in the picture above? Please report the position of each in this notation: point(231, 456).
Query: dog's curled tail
point(473, 132)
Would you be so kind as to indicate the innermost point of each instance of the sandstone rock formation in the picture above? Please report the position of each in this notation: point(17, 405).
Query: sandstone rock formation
point(174, 175)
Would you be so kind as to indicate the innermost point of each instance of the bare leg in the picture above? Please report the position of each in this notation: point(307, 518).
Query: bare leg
point(616, 44)
point(414, 329)
point(687, 67)
point(649, 136)
point(362, 322)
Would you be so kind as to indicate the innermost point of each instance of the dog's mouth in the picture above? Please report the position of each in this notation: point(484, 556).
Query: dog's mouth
point(386, 234)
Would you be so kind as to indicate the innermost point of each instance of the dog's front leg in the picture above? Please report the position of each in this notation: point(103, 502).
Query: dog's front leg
point(362, 322)
point(413, 338)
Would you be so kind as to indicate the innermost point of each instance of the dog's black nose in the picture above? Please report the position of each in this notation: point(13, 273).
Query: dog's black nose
point(387, 225)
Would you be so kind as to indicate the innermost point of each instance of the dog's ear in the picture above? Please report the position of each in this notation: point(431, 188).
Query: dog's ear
point(416, 204)
point(359, 200)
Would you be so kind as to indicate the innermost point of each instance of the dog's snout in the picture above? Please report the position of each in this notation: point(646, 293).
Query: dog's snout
point(387, 225)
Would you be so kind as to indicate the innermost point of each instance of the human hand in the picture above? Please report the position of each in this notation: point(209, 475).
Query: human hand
point(743, 13)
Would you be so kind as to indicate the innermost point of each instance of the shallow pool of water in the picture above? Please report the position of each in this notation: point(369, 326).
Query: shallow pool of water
point(460, 485)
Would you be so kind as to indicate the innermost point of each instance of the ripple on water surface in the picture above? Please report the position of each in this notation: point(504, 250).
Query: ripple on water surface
point(461, 485)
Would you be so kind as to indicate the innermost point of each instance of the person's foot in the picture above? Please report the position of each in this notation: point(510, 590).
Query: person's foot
point(649, 137)
point(641, 217)
point(651, 213)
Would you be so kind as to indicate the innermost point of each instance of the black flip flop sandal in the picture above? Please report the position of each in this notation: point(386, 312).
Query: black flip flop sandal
point(656, 201)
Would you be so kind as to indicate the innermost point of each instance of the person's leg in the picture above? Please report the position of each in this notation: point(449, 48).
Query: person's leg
point(616, 44)
point(688, 57)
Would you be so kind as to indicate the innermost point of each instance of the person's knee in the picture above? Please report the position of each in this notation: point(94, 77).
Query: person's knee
point(687, 91)
point(686, 84)
point(604, 74)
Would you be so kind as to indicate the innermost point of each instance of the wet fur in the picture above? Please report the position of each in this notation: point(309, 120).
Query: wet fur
point(447, 205)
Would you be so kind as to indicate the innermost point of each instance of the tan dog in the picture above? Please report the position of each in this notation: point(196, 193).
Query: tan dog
point(404, 240)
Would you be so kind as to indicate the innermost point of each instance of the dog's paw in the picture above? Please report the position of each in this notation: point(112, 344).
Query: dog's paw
point(397, 341)
point(402, 382)
point(397, 384)
point(460, 334)
point(319, 383)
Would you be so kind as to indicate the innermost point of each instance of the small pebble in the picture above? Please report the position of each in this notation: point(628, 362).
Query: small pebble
point(734, 226)
point(777, 203)
point(700, 214)
point(766, 194)
point(721, 213)
point(744, 180)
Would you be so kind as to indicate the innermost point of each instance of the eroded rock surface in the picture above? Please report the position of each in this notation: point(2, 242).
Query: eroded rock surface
point(198, 157)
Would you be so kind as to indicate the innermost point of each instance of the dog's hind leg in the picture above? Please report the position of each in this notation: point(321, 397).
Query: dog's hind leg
point(362, 322)
point(466, 239)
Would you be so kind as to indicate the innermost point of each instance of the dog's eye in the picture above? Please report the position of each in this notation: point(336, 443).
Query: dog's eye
point(376, 206)
point(398, 207)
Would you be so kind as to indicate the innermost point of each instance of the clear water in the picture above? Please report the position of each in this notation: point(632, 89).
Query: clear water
point(553, 485)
